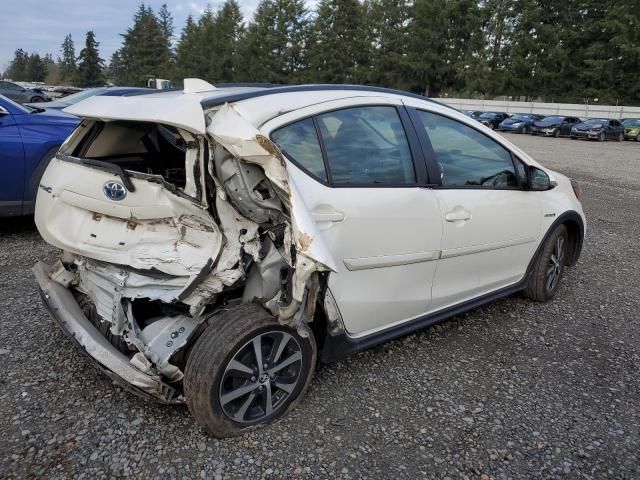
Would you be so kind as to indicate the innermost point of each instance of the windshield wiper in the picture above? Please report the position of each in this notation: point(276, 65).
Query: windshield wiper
point(106, 166)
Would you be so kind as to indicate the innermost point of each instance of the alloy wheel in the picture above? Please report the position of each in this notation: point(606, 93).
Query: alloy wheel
point(556, 262)
point(260, 377)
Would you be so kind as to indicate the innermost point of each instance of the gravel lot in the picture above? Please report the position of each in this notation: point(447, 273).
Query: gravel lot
point(511, 390)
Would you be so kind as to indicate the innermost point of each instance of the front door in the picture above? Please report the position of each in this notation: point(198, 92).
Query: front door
point(356, 171)
point(491, 225)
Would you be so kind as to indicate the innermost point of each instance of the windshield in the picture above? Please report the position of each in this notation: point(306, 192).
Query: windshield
point(632, 122)
point(76, 97)
point(518, 116)
point(15, 105)
point(553, 119)
point(595, 121)
point(488, 115)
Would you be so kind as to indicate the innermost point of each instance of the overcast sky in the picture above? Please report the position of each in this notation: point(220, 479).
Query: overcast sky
point(41, 25)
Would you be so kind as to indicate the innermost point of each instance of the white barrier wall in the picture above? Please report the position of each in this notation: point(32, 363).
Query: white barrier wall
point(569, 109)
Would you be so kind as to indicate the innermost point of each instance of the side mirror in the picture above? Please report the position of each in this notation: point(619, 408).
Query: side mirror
point(539, 180)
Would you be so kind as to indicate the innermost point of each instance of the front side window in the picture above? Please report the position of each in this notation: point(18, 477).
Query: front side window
point(365, 146)
point(467, 157)
point(299, 142)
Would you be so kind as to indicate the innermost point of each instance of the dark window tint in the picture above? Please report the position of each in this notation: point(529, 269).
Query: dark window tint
point(466, 157)
point(299, 142)
point(366, 145)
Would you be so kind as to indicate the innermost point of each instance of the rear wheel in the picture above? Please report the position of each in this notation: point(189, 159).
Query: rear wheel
point(246, 370)
point(549, 267)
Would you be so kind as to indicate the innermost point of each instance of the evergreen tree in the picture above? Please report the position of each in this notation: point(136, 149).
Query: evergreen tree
point(166, 24)
point(339, 46)
point(274, 45)
point(145, 51)
point(17, 70)
point(444, 45)
point(189, 63)
point(36, 68)
point(623, 22)
point(68, 68)
point(228, 29)
point(390, 30)
point(90, 65)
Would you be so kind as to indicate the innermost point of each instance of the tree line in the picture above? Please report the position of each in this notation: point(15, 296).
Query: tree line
point(554, 50)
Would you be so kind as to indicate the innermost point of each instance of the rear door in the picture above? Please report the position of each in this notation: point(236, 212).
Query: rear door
point(490, 223)
point(11, 165)
point(360, 172)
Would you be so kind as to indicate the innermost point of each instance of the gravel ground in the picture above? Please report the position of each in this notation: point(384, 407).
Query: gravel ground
point(512, 390)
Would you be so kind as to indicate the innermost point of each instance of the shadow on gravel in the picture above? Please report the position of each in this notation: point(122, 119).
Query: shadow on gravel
point(13, 225)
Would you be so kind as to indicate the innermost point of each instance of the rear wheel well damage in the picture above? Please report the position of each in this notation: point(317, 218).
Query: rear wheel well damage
point(236, 241)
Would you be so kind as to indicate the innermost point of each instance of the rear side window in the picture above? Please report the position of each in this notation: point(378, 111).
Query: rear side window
point(299, 142)
point(467, 157)
point(359, 146)
point(366, 146)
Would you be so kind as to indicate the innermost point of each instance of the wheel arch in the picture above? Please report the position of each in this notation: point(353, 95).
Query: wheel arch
point(575, 226)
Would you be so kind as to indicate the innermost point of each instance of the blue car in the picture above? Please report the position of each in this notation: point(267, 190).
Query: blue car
point(69, 100)
point(29, 139)
point(519, 122)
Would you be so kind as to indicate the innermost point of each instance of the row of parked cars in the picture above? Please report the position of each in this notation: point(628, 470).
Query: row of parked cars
point(600, 129)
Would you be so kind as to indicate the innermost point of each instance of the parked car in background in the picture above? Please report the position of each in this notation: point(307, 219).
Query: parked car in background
point(519, 122)
point(492, 119)
point(29, 138)
point(631, 128)
point(217, 244)
point(600, 129)
point(20, 94)
point(91, 92)
point(472, 113)
point(554, 126)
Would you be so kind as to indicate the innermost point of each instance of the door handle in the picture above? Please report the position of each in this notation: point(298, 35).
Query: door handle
point(457, 214)
point(327, 216)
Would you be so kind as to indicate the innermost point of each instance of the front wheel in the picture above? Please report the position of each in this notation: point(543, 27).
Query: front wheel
point(620, 137)
point(548, 268)
point(36, 100)
point(246, 370)
point(556, 133)
point(601, 137)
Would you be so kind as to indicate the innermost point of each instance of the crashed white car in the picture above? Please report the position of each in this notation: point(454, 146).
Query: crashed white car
point(216, 242)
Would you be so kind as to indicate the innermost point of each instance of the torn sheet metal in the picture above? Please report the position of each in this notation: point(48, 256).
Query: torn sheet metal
point(243, 140)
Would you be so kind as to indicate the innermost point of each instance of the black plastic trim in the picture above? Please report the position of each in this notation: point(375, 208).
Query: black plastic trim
point(340, 346)
point(273, 90)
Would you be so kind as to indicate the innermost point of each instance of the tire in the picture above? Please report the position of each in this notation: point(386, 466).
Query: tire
point(549, 267)
point(556, 133)
point(222, 365)
point(601, 137)
point(36, 100)
point(638, 138)
point(523, 130)
point(620, 137)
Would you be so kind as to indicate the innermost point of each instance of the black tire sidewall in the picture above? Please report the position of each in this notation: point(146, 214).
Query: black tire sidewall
point(214, 349)
point(537, 285)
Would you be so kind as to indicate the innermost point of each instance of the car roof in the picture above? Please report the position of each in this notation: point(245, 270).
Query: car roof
point(180, 107)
